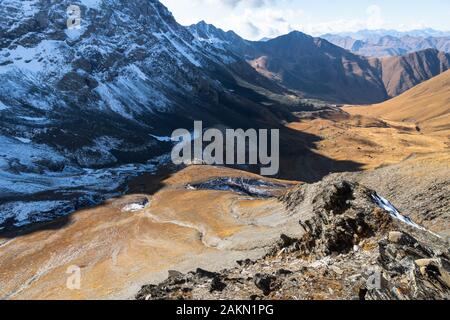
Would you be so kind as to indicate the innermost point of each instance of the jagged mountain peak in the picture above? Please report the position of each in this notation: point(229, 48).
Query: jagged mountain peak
point(204, 25)
point(204, 31)
point(293, 38)
point(108, 17)
point(297, 35)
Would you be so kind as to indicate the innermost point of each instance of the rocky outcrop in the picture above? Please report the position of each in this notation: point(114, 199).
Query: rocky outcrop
point(344, 214)
point(411, 270)
point(351, 249)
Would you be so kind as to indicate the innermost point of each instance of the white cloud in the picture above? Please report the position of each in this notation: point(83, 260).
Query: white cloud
point(372, 20)
point(375, 19)
point(252, 19)
point(264, 22)
point(255, 19)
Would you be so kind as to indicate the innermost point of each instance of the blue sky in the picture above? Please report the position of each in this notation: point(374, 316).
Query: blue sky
point(255, 19)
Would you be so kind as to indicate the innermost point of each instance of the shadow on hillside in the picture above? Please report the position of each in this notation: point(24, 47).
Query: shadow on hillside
point(298, 161)
point(12, 231)
point(147, 183)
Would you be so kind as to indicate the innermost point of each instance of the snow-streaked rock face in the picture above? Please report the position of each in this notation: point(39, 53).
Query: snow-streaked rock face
point(220, 39)
point(78, 106)
point(126, 57)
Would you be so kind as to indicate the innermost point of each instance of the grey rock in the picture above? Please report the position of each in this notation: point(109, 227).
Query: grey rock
point(264, 282)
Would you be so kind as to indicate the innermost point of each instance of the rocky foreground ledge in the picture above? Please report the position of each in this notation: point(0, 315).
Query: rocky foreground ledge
point(352, 248)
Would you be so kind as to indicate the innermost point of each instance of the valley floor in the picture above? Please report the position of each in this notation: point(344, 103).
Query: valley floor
point(185, 223)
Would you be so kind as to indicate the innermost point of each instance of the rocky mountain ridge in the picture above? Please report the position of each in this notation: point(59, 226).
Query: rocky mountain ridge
point(352, 248)
point(316, 68)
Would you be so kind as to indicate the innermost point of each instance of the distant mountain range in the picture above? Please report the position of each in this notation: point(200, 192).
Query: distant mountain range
point(380, 43)
point(379, 33)
point(316, 68)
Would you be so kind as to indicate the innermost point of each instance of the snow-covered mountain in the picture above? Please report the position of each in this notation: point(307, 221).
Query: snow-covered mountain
point(208, 33)
point(82, 109)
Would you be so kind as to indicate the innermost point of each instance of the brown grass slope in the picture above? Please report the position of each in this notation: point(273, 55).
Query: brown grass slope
point(400, 74)
point(427, 105)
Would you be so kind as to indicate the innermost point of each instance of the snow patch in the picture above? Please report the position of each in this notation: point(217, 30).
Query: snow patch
point(33, 119)
point(162, 138)
point(389, 207)
point(75, 33)
point(135, 69)
point(24, 213)
point(23, 140)
point(244, 186)
point(3, 106)
point(25, 154)
point(183, 51)
point(92, 4)
point(134, 207)
point(24, 8)
point(34, 60)
point(108, 98)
